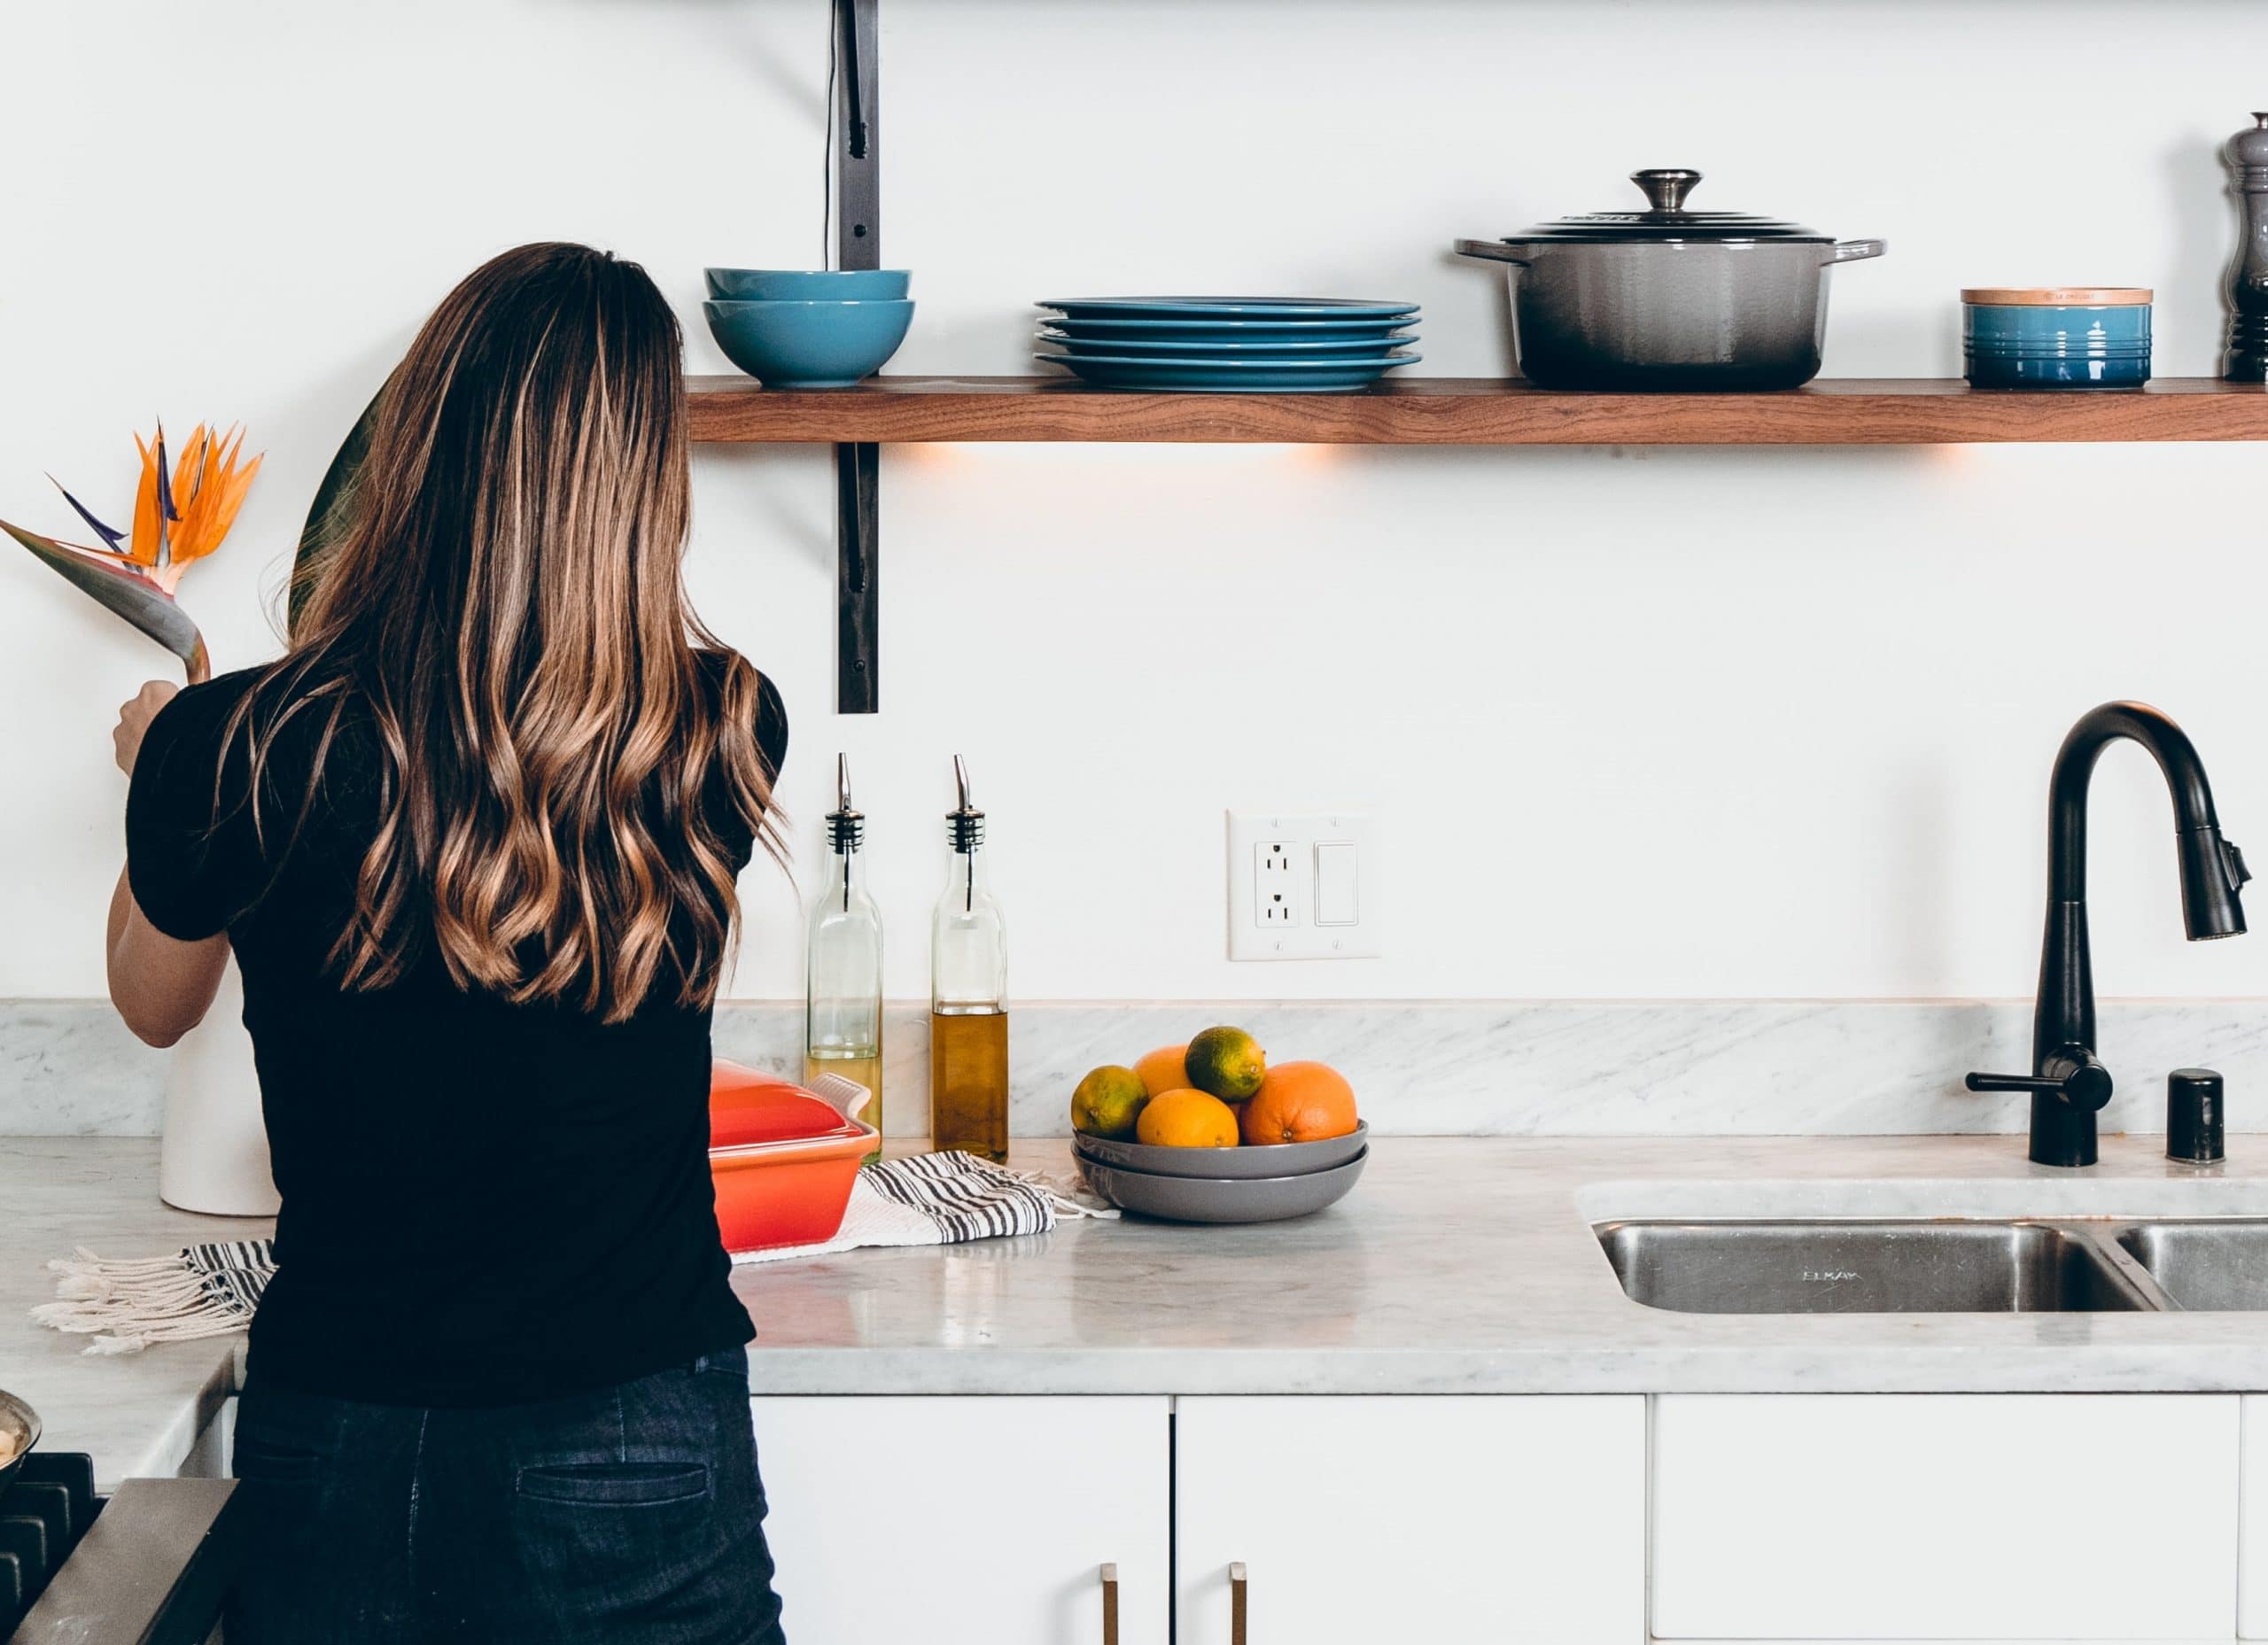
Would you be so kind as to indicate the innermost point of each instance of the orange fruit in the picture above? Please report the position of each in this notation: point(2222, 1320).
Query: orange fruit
point(1164, 1069)
point(1187, 1119)
point(1300, 1102)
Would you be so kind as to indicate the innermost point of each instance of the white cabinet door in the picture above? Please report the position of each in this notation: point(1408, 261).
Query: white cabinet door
point(967, 1520)
point(1406, 1517)
point(2252, 1552)
point(1944, 1517)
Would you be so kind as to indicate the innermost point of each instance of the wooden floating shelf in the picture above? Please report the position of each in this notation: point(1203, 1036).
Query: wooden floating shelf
point(1475, 411)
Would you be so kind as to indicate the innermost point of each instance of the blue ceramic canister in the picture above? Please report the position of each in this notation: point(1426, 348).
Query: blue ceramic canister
point(2056, 336)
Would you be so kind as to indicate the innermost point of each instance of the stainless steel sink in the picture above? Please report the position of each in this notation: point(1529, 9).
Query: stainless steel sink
point(2219, 1264)
point(1875, 1267)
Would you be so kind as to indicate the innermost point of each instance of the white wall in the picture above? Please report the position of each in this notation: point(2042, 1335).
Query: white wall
point(1644, 722)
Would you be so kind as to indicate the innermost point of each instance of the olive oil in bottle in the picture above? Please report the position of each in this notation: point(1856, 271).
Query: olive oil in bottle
point(842, 1011)
point(968, 998)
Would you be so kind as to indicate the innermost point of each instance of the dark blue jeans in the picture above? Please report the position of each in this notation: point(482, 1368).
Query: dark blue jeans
point(632, 1515)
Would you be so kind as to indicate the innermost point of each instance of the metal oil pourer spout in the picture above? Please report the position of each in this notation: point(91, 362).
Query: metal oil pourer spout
point(846, 825)
point(968, 825)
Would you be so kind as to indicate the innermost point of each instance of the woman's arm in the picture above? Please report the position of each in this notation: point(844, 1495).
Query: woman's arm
point(162, 986)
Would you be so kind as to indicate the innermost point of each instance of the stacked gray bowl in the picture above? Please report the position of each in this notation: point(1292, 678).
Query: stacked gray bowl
point(1263, 1183)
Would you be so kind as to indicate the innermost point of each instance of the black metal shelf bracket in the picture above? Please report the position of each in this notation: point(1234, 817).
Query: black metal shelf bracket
point(858, 469)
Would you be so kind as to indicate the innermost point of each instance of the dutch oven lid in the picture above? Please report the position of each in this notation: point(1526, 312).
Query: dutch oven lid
point(747, 1108)
point(1667, 220)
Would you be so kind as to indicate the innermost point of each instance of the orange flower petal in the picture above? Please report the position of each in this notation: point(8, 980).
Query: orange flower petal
point(142, 544)
point(211, 495)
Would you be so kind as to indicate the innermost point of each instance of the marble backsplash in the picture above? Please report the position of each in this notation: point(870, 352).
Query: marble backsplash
point(1454, 1068)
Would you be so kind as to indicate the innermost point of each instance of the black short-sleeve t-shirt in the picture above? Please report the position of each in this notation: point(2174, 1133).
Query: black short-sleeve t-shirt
point(482, 1202)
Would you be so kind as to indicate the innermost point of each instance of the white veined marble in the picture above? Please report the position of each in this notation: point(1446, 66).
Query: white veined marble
point(1422, 1067)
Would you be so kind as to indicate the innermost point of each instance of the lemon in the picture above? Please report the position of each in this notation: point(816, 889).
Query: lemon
point(1108, 1102)
point(1228, 1063)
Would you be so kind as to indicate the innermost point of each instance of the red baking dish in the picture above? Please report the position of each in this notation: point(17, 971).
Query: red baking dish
point(783, 1159)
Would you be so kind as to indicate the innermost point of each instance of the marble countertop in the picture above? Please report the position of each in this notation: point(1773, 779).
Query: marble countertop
point(1464, 1265)
point(138, 1412)
point(1457, 1265)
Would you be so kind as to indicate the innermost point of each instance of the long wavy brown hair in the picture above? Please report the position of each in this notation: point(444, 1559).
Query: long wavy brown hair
point(502, 592)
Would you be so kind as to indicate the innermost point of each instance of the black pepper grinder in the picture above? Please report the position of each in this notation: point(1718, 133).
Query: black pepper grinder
point(2247, 361)
point(2195, 1116)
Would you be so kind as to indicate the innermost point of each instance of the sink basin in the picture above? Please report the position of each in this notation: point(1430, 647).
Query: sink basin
point(1870, 1268)
point(2221, 1264)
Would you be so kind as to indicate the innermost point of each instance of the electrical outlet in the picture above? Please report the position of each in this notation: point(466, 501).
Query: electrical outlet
point(1304, 885)
point(1275, 885)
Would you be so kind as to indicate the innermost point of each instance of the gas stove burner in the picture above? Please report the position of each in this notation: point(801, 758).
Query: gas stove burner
point(45, 1508)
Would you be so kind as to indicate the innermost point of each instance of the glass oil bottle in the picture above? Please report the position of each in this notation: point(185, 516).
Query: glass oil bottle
point(842, 1011)
point(968, 998)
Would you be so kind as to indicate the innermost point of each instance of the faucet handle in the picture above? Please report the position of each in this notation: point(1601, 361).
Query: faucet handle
point(2070, 1073)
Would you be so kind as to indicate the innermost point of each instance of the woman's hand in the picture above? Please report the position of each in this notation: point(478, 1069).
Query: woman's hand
point(134, 717)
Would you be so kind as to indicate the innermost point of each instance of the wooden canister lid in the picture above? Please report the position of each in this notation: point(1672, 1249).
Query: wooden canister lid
point(2056, 296)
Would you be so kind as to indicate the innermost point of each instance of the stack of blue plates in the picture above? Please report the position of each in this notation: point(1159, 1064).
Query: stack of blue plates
point(1224, 345)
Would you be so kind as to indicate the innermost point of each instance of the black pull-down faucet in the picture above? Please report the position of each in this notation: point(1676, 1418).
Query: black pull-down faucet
point(2068, 1085)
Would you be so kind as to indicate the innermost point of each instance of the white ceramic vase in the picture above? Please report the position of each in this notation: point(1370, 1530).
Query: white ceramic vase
point(213, 1152)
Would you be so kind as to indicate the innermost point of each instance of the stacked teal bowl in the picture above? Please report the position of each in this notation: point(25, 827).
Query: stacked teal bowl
point(1228, 345)
point(808, 328)
point(2056, 336)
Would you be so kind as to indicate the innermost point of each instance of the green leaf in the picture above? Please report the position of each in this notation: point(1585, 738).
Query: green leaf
point(123, 589)
point(333, 511)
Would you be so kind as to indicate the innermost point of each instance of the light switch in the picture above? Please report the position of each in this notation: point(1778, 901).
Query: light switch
point(1338, 875)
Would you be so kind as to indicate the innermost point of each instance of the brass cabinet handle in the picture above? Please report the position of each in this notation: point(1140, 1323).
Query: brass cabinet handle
point(1236, 1587)
point(1110, 1604)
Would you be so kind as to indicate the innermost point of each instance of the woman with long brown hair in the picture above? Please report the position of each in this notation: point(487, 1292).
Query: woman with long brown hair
point(473, 841)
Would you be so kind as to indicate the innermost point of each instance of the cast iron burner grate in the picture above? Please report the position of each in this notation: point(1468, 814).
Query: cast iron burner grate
point(43, 1512)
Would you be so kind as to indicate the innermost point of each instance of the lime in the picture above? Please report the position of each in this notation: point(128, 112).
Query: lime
point(1108, 1102)
point(1227, 1063)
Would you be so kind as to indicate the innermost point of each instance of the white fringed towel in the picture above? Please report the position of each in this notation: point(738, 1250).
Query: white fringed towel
point(125, 1304)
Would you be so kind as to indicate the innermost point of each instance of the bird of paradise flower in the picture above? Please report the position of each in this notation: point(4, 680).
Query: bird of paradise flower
point(182, 513)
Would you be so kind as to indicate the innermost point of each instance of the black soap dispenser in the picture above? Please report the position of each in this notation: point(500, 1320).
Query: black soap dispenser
point(2195, 1116)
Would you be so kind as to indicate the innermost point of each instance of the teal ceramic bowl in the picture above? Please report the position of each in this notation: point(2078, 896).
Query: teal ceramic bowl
point(809, 345)
point(888, 285)
point(2056, 336)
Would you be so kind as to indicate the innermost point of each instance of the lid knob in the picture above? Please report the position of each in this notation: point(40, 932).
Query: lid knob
point(1665, 191)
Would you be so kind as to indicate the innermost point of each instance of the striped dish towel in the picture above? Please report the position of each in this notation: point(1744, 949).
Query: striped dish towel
point(941, 1199)
point(125, 1304)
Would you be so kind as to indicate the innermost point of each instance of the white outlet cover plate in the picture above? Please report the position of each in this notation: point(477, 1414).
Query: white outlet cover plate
point(1252, 836)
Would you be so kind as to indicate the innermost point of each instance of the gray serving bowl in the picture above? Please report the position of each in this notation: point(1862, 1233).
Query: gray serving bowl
point(1216, 1199)
point(1226, 1164)
point(19, 1433)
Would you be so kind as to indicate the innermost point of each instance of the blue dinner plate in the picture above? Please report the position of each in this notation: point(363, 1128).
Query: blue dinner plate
point(1226, 376)
point(1230, 348)
point(1226, 307)
point(1229, 331)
